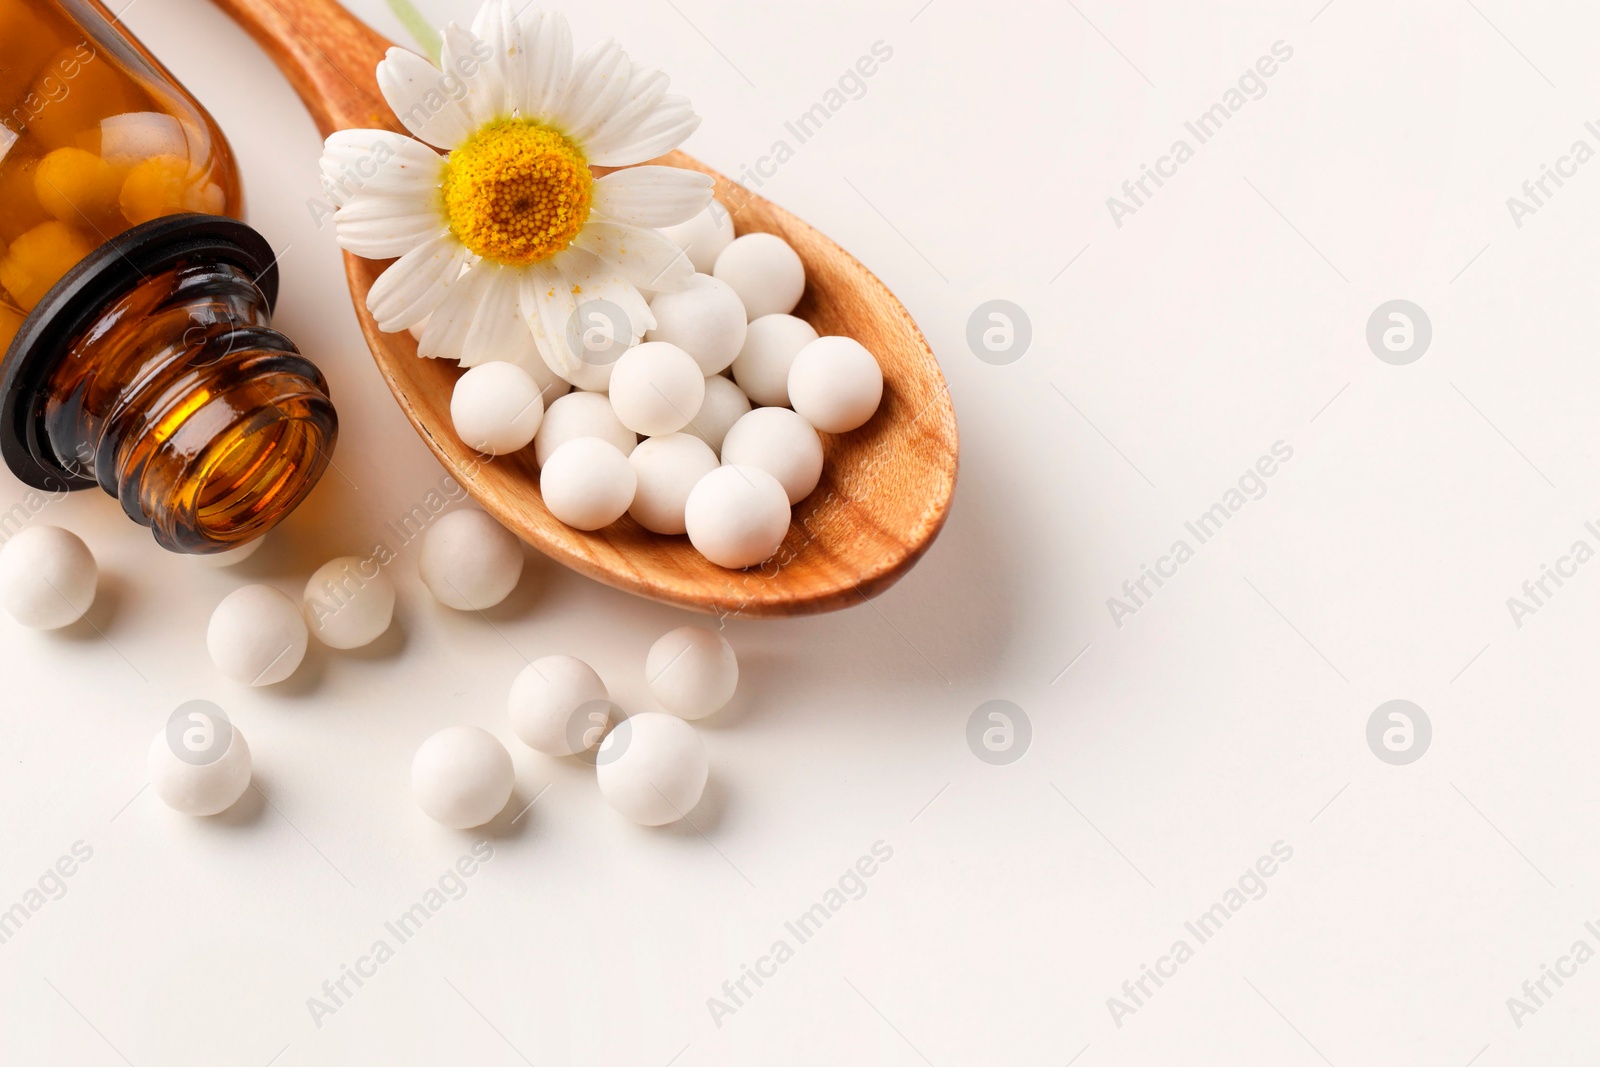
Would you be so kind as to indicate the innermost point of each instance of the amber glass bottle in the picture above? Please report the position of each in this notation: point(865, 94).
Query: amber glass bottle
point(134, 305)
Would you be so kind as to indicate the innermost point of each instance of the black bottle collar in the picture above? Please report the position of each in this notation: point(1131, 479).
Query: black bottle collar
point(71, 306)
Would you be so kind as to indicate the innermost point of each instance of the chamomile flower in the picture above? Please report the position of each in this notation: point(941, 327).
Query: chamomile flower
point(498, 242)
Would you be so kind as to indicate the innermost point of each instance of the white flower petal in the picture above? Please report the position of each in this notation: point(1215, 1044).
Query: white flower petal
point(383, 227)
point(417, 283)
point(428, 104)
point(357, 162)
point(623, 110)
point(643, 124)
point(554, 296)
point(652, 196)
point(664, 128)
point(597, 88)
point(646, 258)
point(444, 335)
point(547, 304)
point(598, 280)
point(481, 84)
point(496, 25)
point(496, 331)
point(386, 186)
point(499, 332)
point(549, 44)
point(490, 21)
point(533, 50)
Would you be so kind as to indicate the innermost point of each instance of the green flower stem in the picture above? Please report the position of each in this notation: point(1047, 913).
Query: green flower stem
point(418, 26)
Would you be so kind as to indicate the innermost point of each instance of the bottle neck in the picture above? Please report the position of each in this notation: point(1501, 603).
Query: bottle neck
point(181, 401)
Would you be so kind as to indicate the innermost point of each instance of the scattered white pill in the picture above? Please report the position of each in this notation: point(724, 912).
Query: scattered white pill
point(559, 705)
point(705, 319)
point(496, 408)
point(200, 784)
point(770, 345)
point(835, 383)
point(723, 406)
point(703, 237)
point(781, 443)
point(692, 671)
point(737, 516)
point(668, 468)
point(229, 556)
point(581, 415)
point(656, 388)
point(764, 271)
point(469, 562)
point(587, 483)
point(256, 635)
point(652, 768)
point(348, 602)
point(462, 777)
point(48, 577)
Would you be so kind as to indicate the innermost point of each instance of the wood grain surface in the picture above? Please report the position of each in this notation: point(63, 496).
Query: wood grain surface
point(885, 488)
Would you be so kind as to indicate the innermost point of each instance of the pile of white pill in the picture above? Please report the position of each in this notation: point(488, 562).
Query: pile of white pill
point(707, 427)
point(651, 767)
point(258, 635)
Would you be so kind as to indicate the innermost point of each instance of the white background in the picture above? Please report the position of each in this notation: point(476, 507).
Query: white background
point(1228, 714)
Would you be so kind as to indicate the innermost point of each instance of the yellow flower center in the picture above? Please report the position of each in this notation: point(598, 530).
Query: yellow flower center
point(517, 192)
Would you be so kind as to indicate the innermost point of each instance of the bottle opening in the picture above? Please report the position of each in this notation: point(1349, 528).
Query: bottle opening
point(249, 477)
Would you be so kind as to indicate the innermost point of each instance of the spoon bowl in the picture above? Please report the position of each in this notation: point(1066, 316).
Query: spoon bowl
point(885, 488)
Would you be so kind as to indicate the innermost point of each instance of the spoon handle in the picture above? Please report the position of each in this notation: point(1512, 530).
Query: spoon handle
point(327, 54)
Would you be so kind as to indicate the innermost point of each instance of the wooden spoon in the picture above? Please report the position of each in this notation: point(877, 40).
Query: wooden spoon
point(885, 487)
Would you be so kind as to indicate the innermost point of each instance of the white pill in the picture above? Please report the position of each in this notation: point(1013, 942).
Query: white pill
point(581, 415)
point(737, 516)
point(692, 671)
point(770, 345)
point(198, 782)
point(723, 406)
point(668, 468)
point(551, 385)
point(835, 383)
point(348, 602)
point(764, 271)
point(496, 408)
point(652, 768)
point(128, 139)
point(256, 635)
point(48, 577)
point(559, 705)
point(781, 443)
point(703, 237)
point(229, 556)
point(705, 319)
point(587, 483)
point(462, 777)
point(656, 388)
point(469, 562)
